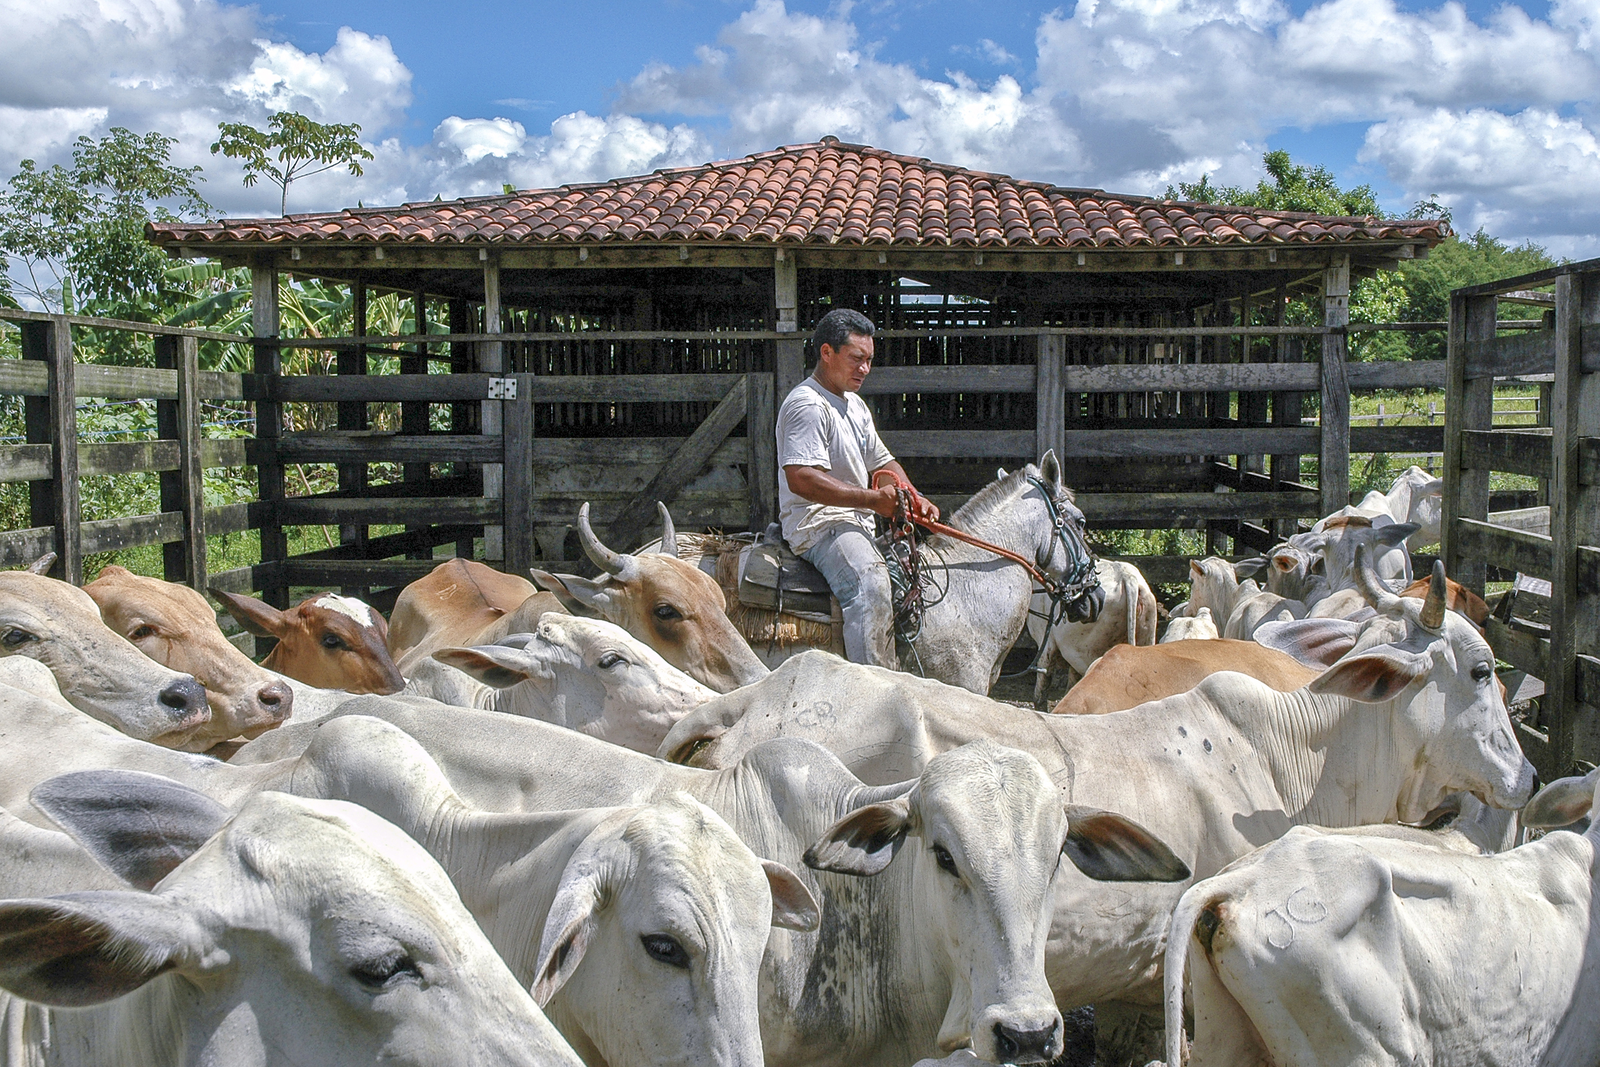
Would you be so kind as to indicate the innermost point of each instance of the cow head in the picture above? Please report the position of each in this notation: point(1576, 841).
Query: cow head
point(328, 641)
point(989, 831)
point(1212, 584)
point(298, 931)
point(673, 607)
point(173, 625)
point(1338, 537)
point(666, 902)
point(97, 669)
point(1436, 673)
point(587, 675)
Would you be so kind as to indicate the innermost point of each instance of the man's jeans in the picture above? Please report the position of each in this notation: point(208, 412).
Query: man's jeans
point(856, 572)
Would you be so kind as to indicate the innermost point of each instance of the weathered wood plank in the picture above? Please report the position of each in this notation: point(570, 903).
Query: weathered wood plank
point(1527, 353)
point(546, 389)
point(517, 435)
point(183, 487)
point(692, 510)
point(1469, 403)
point(222, 385)
point(1413, 374)
point(1534, 520)
point(268, 365)
point(676, 472)
point(230, 453)
point(1396, 438)
point(312, 511)
point(958, 444)
point(1192, 377)
point(627, 451)
point(1333, 461)
point(1589, 461)
point(230, 518)
point(1524, 651)
point(358, 572)
point(390, 448)
point(24, 463)
point(1505, 548)
point(978, 378)
point(1513, 451)
point(1182, 508)
point(151, 328)
point(112, 535)
point(761, 422)
point(1225, 441)
point(18, 548)
point(1050, 418)
point(57, 418)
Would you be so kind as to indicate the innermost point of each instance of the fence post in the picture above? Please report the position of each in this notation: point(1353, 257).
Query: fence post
point(760, 427)
point(53, 419)
point(1468, 405)
point(790, 362)
point(1050, 399)
point(183, 490)
point(517, 438)
point(414, 413)
point(1333, 462)
point(269, 430)
point(352, 415)
point(491, 360)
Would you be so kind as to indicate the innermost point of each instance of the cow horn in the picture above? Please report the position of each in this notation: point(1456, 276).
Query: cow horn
point(612, 563)
point(43, 564)
point(1432, 617)
point(1372, 590)
point(669, 534)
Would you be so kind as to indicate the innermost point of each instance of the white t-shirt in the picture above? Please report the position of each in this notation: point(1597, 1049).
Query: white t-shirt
point(817, 428)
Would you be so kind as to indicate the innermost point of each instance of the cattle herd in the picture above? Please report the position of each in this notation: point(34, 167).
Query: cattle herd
point(584, 821)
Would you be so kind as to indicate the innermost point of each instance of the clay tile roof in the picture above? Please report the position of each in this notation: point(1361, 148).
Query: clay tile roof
point(823, 193)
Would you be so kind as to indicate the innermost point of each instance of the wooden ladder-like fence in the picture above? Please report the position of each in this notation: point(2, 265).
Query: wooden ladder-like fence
point(1552, 633)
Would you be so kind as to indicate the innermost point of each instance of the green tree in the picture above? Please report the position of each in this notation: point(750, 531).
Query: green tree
point(290, 148)
point(1292, 188)
point(79, 232)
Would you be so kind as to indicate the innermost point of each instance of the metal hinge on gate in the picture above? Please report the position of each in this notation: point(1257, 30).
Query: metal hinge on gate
point(502, 388)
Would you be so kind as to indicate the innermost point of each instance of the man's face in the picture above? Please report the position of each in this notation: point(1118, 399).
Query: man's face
point(846, 367)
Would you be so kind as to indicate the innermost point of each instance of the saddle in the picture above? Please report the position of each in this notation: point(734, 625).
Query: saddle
point(773, 578)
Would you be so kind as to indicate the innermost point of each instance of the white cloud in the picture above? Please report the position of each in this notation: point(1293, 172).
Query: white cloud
point(476, 138)
point(359, 79)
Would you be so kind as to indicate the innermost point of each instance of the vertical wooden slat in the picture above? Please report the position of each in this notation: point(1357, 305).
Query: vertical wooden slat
point(1049, 423)
point(414, 413)
point(1333, 462)
point(790, 356)
point(517, 438)
point(53, 420)
point(183, 490)
point(1468, 405)
point(760, 427)
point(269, 429)
point(491, 360)
point(464, 415)
point(1286, 409)
point(352, 416)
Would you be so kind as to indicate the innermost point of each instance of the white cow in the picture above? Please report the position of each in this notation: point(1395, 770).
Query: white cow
point(1128, 617)
point(1255, 607)
point(296, 932)
point(1415, 497)
point(1407, 711)
point(679, 907)
point(1212, 584)
point(585, 674)
point(1323, 949)
point(1197, 627)
point(97, 669)
point(934, 891)
point(1338, 537)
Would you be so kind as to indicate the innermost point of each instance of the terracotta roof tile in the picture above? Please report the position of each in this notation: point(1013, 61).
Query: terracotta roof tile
point(823, 193)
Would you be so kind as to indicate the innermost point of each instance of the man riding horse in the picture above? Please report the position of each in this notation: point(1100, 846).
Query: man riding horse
point(831, 457)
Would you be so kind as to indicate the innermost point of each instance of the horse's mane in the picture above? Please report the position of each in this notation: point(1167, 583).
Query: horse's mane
point(993, 495)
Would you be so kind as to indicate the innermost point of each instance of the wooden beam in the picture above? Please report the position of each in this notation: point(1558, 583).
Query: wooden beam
point(761, 422)
point(790, 348)
point(53, 419)
point(269, 428)
point(628, 528)
point(1191, 377)
point(1049, 426)
point(1333, 462)
point(1469, 405)
point(352, 415)
point(518, 466)
point(547, 389)
point(183, 490)
point(491, 360)
point(1529, 353)
point(1512, 451)
point(1503, 547)
point(1572, 519)
point(980, 378)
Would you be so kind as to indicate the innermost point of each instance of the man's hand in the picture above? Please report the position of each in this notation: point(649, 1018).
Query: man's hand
point(884, 501)
point(923, 509)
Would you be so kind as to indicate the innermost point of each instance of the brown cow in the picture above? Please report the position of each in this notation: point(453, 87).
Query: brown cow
point(1130, 675)
point(670, 605)
point(459, 604)
point(173, 625)
point(328, 641)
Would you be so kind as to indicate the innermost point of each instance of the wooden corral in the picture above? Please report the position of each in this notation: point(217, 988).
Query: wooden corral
point(1548, 625)
point(629, 341)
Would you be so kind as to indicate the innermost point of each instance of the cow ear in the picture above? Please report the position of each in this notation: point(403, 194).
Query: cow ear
point(495, 666)
point(256, 616)
point(793, 906)
point(1314, 642)
point(139, 826)
point(87, 948)
point(593, 594)
point(43, 564)
point(863, 842)
point(1110, 848)
point(1562, 802)
point(567, 930)
point(1249, 568)
point(1395, 533)
point(1050, 467)
point(1372, 677)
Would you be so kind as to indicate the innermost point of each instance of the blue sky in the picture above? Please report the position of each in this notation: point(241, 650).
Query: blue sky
point(1488, 106)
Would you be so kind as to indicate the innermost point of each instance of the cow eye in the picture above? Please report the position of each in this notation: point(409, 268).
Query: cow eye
point(332, 641)
point(15, 637)
point(667, 611)
point(665, 949)
point(143, 632)
point(1481, 672)
point(611, 659)
point(386, 970)
point(946, 862)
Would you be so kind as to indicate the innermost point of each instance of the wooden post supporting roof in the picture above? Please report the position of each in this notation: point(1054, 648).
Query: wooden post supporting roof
point(53, 419)
point(1333, 464)
point(269, 430)
point(791, 354)
point(491, 360)
point(183, 490)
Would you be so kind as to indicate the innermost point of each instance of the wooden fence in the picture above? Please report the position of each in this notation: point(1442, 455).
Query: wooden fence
point(1551, 632)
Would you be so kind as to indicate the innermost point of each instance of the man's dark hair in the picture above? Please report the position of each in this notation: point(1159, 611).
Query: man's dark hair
point(837, 327)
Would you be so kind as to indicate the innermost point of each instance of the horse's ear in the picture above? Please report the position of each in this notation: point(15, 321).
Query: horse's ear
point(999, 474)
point(1050, 467)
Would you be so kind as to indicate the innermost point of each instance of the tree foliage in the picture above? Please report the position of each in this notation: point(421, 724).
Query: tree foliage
point(79, 232)
point(290, 148)
point(1292, 187)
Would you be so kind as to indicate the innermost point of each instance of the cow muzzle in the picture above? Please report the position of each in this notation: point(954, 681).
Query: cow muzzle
point(1088, 606)
point(1018, 1039)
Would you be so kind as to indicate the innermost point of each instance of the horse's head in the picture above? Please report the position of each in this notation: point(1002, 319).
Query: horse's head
point(1064, 551)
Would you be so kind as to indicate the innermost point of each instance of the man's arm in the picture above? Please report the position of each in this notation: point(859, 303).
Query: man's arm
point(921, 506)
point(820, 487)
